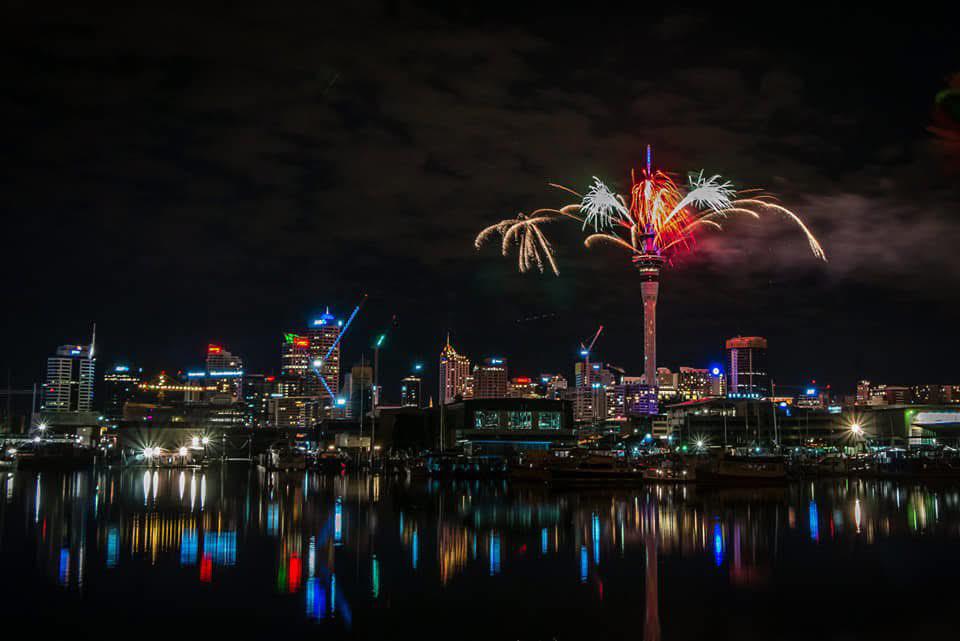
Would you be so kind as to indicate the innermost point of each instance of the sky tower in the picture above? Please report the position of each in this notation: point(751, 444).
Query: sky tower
point(649, 262)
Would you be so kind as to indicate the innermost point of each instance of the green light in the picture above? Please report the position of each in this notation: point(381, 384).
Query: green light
point(380, 339)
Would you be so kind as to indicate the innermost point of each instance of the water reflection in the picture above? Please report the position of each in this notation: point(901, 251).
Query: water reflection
point(350, 548)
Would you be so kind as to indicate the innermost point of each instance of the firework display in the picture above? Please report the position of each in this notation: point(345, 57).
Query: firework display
point(657, 219)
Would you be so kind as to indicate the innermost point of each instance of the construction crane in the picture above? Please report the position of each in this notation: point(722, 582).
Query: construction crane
point(585, 351)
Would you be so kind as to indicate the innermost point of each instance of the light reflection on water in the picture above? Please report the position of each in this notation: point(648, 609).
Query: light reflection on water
point(358, 553)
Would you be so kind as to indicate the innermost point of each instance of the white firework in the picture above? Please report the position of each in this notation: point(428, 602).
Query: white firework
point(602, 208)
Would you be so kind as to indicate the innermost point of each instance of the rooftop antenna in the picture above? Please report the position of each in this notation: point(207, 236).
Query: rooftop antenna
point(649, 159)
point(93, 339)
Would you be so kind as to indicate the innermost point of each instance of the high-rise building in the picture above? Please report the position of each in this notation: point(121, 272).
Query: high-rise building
point(490, 378)
point(747, 367)
point(70, 380)
point(454, 370)
point(294, 355)
point(225, 372)
point(256, 399)
point(119, 386)
point(410, 389)
point(324, 356)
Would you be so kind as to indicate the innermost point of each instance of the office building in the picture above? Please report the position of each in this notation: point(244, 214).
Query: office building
point(490, 378)
point(747, 367)
point(324, 358)
point(224, 373)
point(69, 382)
point(120, 386)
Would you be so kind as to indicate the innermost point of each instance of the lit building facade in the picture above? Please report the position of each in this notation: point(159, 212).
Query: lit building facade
point(693, 383)
point(410, 389)
point(747, 372)
point(490, 378)
point(225, 372)
point(522, 387)
point(119, 387)
point(454, 370)
point(324, 355)
point(69, 382)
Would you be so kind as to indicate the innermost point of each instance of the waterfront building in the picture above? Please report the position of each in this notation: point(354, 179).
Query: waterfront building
point(294, 412)
point(69, 382)
point(454, 371)
point(747, 367)
point(506, 425)
point(490, 378)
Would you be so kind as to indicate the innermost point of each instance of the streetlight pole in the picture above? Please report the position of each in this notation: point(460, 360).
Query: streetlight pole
point(376, 394)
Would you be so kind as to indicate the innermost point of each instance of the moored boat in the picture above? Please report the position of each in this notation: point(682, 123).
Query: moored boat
point(744, 469)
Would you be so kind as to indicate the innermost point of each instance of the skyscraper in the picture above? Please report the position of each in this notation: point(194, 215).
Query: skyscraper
point(225, 372)
point(490, 378)
point(69, 382)
point(294, 356)
point(119, 386)
point(324, 355)
point(454, 370)
point(747, 367)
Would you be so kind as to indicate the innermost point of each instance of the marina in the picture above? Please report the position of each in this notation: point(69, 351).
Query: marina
point(238, 550)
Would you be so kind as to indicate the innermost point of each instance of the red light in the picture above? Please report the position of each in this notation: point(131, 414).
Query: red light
point(206, 569)
point(214, 349)
point(522, 380)
point(270, 379)
point(293, 575)
point(301, 342)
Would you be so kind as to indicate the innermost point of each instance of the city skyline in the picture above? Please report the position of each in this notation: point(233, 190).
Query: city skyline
point(190, 238)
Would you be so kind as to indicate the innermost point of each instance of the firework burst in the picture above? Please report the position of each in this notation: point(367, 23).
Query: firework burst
point(656, 218)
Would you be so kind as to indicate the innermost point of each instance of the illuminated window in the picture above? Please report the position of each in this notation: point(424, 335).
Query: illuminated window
point(486, 419)
point(521, 421)
point(548, 421)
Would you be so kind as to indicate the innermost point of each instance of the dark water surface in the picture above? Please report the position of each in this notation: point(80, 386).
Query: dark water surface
point(241, 553)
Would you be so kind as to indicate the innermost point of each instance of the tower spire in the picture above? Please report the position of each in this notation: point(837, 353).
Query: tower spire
point(93, 339)
point(649, 159)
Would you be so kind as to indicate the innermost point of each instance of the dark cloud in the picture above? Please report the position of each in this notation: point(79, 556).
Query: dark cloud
point(224, 174)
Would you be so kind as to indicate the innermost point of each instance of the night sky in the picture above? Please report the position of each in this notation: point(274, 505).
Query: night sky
point(221, 175)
